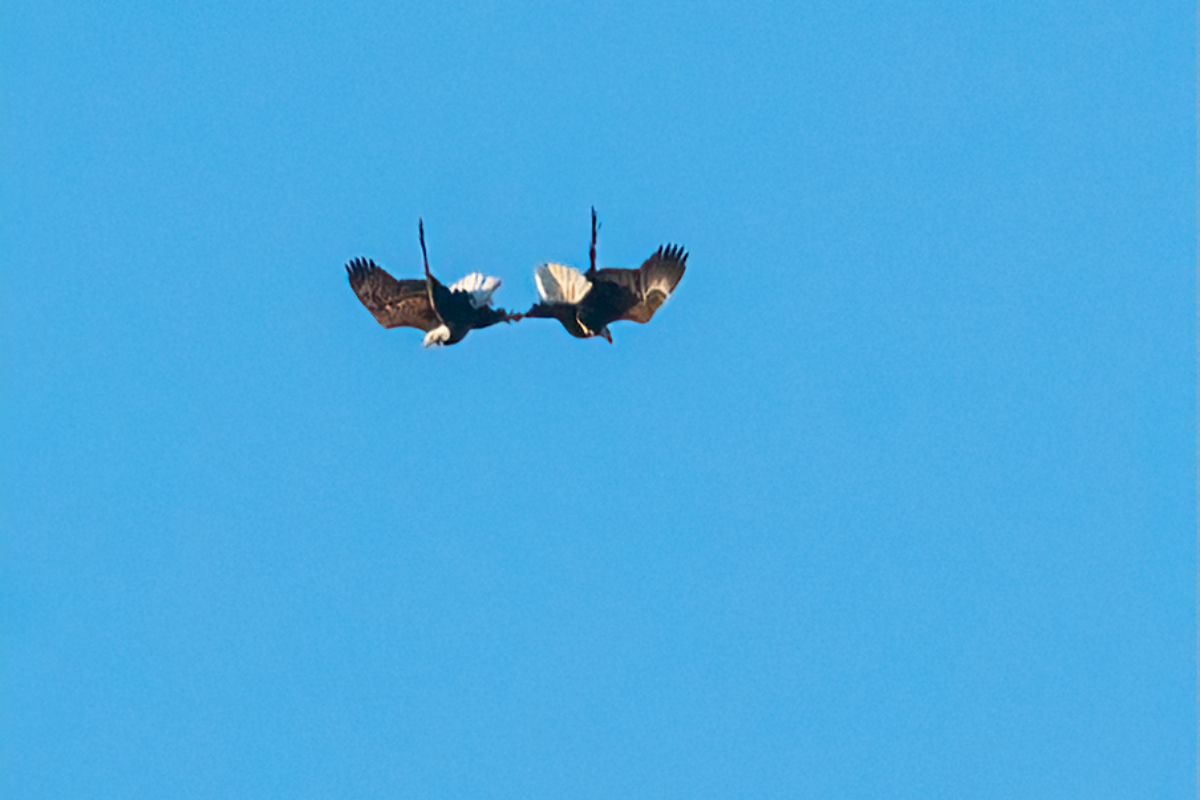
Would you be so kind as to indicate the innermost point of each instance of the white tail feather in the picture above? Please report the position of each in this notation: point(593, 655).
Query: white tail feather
point(437, 336)
point(558, 283)
point(479, 286)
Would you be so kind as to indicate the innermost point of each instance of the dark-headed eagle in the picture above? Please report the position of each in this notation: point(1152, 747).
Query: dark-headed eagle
point(587, 302)
point(446, 314)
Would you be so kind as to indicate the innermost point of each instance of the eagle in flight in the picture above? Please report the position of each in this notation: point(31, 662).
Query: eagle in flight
point(445, 313)
point(587, 302)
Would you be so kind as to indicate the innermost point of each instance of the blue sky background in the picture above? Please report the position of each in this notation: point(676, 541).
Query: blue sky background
point(895, 498)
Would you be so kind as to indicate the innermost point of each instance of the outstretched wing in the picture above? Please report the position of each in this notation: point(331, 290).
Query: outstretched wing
point(393, 303)
point(650, 285)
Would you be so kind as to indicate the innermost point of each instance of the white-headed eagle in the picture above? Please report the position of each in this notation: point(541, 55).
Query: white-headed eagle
point(446, 314)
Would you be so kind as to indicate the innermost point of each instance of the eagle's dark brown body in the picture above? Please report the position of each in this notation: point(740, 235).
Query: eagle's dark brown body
point(446, 314)
point(587, 303)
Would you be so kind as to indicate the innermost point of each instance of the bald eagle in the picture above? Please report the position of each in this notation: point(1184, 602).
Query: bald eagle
point(587, 302)
point(446, 314)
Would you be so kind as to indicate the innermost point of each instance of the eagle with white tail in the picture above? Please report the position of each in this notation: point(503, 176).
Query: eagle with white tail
point(446, 314)
point(586, 303)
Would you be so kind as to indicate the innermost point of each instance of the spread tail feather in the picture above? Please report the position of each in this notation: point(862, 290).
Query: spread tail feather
point(479, 287)
point(558, 283)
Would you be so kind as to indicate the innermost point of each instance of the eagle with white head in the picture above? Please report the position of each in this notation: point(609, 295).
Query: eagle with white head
point(445, 313)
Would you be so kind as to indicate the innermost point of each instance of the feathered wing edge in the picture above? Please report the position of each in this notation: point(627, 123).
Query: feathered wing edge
point(662, 271)
point(653, 282)
point(391, 302)
point(395, 303)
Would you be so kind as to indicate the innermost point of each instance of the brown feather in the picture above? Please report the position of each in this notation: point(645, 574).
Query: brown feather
point(651, 284)
point(393, 303)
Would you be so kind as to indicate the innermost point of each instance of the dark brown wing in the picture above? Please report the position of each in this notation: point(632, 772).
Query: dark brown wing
point(651, 284)
point(393, 303)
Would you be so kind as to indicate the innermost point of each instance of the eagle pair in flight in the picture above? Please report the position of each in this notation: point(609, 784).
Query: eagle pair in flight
point(584, 302)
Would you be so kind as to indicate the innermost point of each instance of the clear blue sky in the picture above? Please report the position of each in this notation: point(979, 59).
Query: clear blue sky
point(895, 498)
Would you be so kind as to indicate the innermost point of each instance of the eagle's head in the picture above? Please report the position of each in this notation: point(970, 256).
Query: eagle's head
point(586, 333)
point(438, 336)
